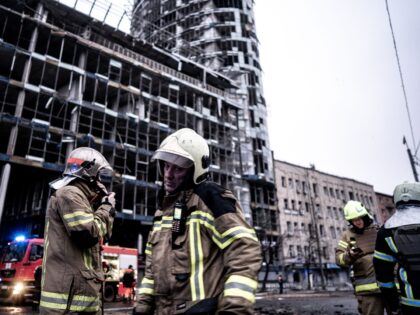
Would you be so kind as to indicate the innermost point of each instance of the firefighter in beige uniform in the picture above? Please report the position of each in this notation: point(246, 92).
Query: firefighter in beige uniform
point(201, 257)
point(355, 249)
point(80, 215)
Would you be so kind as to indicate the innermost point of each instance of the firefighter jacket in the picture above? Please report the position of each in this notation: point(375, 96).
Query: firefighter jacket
point(211, 268)
point(72, 268)
point(364, 273)
point(400, 243)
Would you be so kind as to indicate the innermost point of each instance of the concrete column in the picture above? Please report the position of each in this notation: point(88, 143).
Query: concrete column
point(18, 112)
point(3, 187)
point(76, 91)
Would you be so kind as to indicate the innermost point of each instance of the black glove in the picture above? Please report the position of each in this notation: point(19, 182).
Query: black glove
point(355, 253)
point(110, 200)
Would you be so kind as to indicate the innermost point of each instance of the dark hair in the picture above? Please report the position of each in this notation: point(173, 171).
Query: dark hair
point(366, 220)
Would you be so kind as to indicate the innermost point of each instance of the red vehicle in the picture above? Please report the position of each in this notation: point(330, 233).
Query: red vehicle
point(20, 270)
point(115, 261)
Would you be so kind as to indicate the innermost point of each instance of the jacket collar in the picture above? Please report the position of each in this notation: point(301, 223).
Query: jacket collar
point(85, 188)
point(169, 200)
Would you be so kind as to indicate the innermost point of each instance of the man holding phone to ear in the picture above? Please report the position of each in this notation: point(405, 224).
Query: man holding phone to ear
point(79, 218)
point(355, 249)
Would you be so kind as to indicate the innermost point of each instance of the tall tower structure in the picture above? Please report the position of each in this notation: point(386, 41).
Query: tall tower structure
point(221, 34)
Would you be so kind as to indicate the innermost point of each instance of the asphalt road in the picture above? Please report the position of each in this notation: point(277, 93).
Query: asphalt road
point(340, 303)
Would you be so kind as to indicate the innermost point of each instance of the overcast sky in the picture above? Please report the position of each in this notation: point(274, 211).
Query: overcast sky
point(332, 85)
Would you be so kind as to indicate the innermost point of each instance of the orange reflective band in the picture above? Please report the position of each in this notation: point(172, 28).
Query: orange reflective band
point(75, 161)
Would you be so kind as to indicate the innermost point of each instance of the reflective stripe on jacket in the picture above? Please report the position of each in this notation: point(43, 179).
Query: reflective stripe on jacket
point(72, 267)
point(212, 265)
point(364, 273)
point(385, 260)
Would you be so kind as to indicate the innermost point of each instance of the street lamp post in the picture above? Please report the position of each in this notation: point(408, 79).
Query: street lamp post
point(413, 161)
point(267, 254)
point(317, 237)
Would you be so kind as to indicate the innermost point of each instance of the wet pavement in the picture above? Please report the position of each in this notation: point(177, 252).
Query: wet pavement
point(294, 303)
point(115, 308)
point(337, 303)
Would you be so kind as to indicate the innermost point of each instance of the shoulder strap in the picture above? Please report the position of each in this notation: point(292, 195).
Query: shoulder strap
point(407, 241)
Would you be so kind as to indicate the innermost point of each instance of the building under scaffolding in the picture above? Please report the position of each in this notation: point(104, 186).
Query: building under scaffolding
point(221, 35)
point(68, 80)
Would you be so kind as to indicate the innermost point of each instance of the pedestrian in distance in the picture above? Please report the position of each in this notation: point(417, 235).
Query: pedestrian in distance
point(280, 281)
point(398, 242)
point(355, 250)
point(79, 218)
point(202, 257)
point(128, 281)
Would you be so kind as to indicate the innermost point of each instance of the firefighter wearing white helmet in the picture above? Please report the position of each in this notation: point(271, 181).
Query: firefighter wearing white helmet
point(185, 148)
point(84, 163)
point(399, 242)
point(79, 217)
point(202, 257)
point(355, 250)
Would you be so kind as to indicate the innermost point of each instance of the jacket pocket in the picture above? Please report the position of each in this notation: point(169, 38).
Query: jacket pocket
point(92, 283)
point(160, 242)
point(181, 266)
point(181, 257)
point(156, 251)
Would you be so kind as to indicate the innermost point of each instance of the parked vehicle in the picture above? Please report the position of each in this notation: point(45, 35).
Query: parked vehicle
point(21, 270)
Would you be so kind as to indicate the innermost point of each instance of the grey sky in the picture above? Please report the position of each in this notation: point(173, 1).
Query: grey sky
point(332, 85)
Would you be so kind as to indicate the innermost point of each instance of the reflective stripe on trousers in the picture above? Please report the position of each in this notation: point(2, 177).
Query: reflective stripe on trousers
point(60, 301)
point(365, 284)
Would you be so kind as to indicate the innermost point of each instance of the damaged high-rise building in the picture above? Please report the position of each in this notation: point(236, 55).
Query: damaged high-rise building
point(221, 35)
point(68, 80)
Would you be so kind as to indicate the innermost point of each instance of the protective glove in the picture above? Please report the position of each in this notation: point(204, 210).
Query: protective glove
point(355, 253)
point(110, 200)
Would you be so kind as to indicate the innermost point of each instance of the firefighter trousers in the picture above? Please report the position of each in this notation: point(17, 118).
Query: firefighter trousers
point(372, 304)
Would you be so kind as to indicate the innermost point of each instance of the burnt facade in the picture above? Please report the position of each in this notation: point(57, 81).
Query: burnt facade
point(68, 80)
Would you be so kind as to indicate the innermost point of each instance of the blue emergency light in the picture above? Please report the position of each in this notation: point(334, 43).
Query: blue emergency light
point(20, 238)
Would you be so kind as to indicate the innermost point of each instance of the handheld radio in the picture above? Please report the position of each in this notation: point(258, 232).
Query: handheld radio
point(179, 219)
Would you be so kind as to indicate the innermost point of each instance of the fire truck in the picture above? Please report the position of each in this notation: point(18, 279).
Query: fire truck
point(115, 261)
point(21, 262)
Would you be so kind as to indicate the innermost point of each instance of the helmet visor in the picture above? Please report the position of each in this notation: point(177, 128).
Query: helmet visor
point(173, 159)
point(105, 174)
point(61, 182)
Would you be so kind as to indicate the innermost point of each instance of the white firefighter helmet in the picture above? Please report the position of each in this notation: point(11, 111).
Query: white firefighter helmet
point(355, 209)
point(407, 191)
point(85, 163)
point(185, 148)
